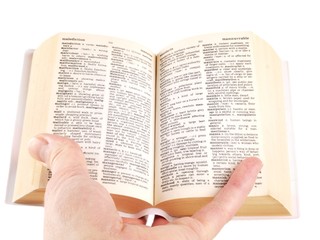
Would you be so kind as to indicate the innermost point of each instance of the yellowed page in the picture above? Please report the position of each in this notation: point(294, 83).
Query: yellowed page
point(207, 115)
point(275, 120)
point(105, 102)
point(31, 175)
point(102, 96)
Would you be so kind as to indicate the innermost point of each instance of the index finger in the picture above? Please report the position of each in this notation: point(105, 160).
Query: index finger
point(229, 199)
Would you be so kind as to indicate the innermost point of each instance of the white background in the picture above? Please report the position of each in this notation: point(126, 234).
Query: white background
point(291, 27)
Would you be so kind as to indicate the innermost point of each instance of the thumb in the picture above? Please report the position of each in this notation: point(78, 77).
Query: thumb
point(60, 154)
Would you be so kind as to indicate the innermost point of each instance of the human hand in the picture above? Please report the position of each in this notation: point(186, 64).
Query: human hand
point(77, 207)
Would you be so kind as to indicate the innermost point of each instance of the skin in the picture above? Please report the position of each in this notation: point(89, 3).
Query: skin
point(77, 207)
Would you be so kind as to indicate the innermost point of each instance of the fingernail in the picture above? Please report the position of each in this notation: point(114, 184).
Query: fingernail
point(37, 147)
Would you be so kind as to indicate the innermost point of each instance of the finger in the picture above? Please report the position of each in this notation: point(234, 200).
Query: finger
point(134, 221)
point(58, 153)
point(74, 204)
point(160, 221)
point(230, 198)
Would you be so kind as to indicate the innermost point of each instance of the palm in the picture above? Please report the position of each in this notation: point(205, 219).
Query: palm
point(77, 207)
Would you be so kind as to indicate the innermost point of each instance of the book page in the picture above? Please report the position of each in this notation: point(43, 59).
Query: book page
point(31, 175)
point(207, 115)
point(104, 100)
point(276, 119)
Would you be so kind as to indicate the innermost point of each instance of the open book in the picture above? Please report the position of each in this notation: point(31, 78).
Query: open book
point(162, 130)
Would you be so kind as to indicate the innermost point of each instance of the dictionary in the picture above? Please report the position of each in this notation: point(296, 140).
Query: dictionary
point(162, 130)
